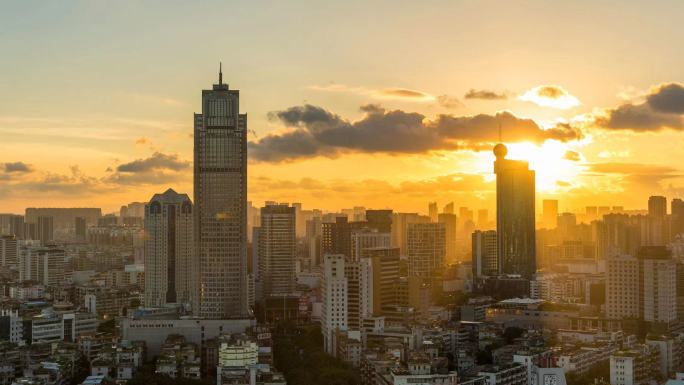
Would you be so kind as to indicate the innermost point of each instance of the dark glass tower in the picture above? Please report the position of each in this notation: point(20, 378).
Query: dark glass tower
point(220, 193)
point(515, 220)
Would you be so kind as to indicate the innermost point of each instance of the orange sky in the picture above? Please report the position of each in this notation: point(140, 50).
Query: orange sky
point(381, 105)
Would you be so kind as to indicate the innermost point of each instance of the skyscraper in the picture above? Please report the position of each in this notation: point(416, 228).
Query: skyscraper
point(433, 211)
point(550, 213)
point(170, 266)
point(220, 193)
point(515, 219)
point(277, 248)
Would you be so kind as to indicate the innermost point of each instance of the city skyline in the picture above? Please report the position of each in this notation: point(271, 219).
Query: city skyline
point(115, 129)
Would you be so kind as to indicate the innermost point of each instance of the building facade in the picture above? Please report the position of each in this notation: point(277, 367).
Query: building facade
point(170, 264)
point(220, 193)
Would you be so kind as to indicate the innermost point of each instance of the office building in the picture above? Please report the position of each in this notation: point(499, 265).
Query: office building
point(484, 252)
point(336, 236)
point(277, 249)
point(220, 193)
point(170, 263)
point(364, 239)
point(515, 218)
point(426, 248)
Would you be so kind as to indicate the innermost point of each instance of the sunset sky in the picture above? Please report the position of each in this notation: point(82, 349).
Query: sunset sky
point(374, 103)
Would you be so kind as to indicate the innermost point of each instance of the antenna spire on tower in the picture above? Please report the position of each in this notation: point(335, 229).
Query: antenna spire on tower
point(500, 140)
point(220, 73)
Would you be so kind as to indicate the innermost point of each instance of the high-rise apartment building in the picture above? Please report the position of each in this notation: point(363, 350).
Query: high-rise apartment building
point(334, 295)
point(400, 223)
point(433, 211)
point(485, 259)
point(17, 226)
point(8, 251)
point(277, 249)
point(550, 213)
point(220, 193)
point(515, 218)
point(80, 228)
point(482, 218)
point(623, 298)
point(385, 276)
point(450, 224)
point(657, 206)
point(45, 265)
point(170, 263)
point(642, 286)
point(426, 248)
point(677, 211)
point(617, 234)
point(45, 229)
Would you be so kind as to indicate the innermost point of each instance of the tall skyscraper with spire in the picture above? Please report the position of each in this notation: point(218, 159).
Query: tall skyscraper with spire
point(220, 193)
point(515, 220)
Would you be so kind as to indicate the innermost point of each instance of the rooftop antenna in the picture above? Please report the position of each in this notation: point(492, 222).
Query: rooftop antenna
point(220, 73)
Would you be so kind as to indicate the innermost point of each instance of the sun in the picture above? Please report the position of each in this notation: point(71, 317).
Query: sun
point(555, 170)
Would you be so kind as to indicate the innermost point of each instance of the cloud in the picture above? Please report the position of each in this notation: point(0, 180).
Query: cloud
point(17, 167)
point(638, 117)
point(630, 168)
point(662, 108)
point(405, 93)
point(667, 98)
point(159, 168)
point(485, 94)
point(573, 156)
point(378, 93)
point(143, 141)
point(157, 161)
point(315, 131)
point(449, 102)
point(550, 96)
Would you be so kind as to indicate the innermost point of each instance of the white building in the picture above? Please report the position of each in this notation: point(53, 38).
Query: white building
point(634, 367)
point(334, 293)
